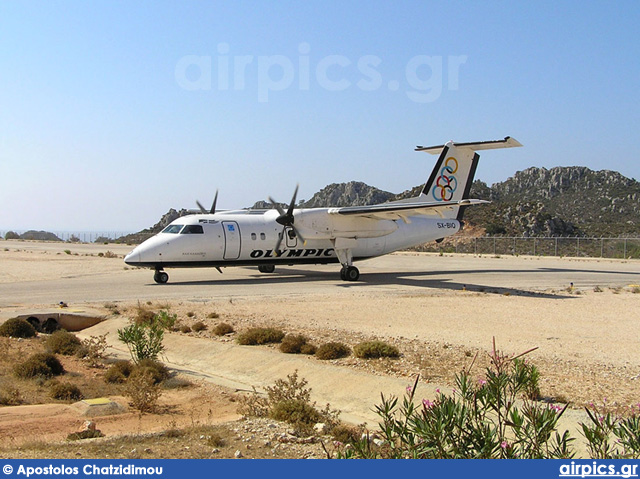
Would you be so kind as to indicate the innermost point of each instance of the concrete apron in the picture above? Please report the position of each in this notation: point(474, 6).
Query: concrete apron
point(353, 392)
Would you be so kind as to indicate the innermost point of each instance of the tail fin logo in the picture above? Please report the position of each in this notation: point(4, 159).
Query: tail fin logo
point(446, 183)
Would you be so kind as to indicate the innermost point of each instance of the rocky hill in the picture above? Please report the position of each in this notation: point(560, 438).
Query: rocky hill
point(573, 200)
point(354, 193)
point(561, 201)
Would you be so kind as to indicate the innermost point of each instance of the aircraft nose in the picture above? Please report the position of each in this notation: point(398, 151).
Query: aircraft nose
point(133, 258)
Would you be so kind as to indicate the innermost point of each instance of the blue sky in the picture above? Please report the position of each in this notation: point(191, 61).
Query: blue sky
point(113, 112)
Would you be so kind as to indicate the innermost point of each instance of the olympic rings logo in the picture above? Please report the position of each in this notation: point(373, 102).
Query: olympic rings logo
point(446, 183)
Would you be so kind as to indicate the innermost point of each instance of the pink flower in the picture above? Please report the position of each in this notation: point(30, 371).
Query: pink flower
point(427, 404)
point(504, 444)
point(482, 382)
point(409, 389)
point(438, 392)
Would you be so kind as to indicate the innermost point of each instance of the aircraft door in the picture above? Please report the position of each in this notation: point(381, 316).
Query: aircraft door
point(231, 239)
point(290, 237)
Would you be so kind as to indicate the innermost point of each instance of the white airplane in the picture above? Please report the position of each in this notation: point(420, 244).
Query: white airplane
point(266, 238)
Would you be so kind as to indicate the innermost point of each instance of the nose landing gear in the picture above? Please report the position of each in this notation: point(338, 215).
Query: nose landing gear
point(160, 277)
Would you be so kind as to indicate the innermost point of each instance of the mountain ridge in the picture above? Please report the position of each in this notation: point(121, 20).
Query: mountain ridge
point(559, 201)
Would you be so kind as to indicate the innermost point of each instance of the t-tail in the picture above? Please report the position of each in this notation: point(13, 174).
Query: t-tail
point(452, 176)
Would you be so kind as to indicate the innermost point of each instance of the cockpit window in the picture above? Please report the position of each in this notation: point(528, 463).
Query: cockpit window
point(173, 229)
point(192, 230)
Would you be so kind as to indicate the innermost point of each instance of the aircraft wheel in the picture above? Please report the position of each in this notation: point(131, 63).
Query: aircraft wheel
point(351, 273)
point(160, 277)
point(267, 268)
point(343, 274)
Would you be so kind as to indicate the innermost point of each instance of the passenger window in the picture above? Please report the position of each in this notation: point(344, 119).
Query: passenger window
point(192, 230)
point(263, 236)
point(253, 236)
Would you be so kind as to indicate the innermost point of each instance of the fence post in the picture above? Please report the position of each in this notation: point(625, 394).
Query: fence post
point(556, 246)
point(577, 247)
point(601, 247)
point(475, 244)
point(625, 248)
point(534, 246)
point(494, 246)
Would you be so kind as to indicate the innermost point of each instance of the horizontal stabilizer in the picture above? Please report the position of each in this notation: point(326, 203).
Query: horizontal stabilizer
point(508, 142)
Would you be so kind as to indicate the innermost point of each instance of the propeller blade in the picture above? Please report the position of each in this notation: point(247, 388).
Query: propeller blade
point(213, 206)
point(202, 210)
point(277, 248)
point(292, 205)
point(277, 206)
point(300, 237)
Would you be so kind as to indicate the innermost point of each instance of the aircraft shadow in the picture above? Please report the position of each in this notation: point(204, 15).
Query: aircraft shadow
point(415, 279)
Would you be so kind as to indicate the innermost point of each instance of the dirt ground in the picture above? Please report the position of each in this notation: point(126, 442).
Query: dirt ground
point(587, 340)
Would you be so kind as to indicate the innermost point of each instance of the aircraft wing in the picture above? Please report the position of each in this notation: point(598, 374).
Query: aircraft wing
point(394, 211)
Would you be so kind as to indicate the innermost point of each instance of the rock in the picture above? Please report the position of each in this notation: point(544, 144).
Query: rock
point(89, 426)
point(321, 428)
point(238, 454)
point(379, 442)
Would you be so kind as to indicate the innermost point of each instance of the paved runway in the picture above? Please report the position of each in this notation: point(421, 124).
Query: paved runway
point(393, 274)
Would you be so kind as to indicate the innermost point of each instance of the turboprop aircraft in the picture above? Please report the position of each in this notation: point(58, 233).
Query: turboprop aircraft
point(266, 238)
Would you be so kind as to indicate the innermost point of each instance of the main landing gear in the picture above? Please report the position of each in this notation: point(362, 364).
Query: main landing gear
point(160, 277)
point(349, 273)
point(267, 268)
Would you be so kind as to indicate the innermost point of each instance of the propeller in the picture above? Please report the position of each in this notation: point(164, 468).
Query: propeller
point(213, 206)
point(286, 219)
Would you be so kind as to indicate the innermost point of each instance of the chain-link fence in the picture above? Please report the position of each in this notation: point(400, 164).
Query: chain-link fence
point(575, 247)
point(79, 236)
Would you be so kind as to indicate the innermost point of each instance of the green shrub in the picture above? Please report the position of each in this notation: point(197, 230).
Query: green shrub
point(222, 328)
point(119, 372)
point(375, 349)
point(63, 342)
point(39, 364)
point(65, 392)
point(490, 418)
point(256, 336)
point(143, 341)
point(17, 328)
point(198, 326)
point(333, 350)
point(292, 343)
point(185, 329)
point(213, 315)
point(158, 371)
